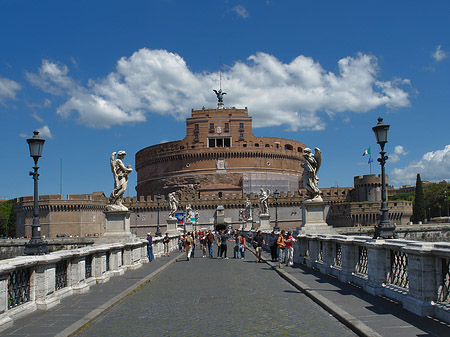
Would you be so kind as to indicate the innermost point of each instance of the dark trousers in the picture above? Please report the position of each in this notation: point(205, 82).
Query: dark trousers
point(273, 252)
point(223, 249)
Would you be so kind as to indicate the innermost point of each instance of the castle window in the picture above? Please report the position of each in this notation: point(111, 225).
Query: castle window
point(241, 136)
point(211, 142)
point(277, 145)
point(241, 126)
point(196, 128)
point(211, 127)
point(267, 145)
point(227, 142)
point(244, 145)
point(219, 142)
point(300, 150)
point(227, 127)
point(288, 147)
point(196, 137)
point(256, 144)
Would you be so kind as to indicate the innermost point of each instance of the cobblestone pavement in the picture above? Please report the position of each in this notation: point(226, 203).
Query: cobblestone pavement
point(217, 297)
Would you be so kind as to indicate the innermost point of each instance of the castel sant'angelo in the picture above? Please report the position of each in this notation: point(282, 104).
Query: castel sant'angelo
point(216, 167)
point(220, 154)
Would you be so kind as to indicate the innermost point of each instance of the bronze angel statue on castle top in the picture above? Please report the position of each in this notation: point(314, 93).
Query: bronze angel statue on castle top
point(311, 166)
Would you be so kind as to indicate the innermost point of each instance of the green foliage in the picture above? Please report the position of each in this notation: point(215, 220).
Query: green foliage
point(419, 211)
point(7, 219)
point(403, 196)
point(435, 200)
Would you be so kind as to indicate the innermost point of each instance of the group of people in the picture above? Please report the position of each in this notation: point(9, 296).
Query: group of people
point(281, 246)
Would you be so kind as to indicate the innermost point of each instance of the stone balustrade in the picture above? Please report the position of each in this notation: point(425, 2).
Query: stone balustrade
point(29, 283)
point(415, 274)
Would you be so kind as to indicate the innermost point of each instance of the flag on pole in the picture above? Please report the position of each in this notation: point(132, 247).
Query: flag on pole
point(367, 152)
point(370, 160)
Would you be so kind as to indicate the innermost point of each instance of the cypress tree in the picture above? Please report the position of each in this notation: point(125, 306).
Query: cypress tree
point(419, 202)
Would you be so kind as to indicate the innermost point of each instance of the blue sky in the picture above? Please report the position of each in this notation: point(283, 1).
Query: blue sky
point(102, 76)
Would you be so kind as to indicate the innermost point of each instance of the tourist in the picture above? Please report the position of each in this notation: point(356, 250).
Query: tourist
point(224, 237)
point(180, 243)
point(166, 241)
point(203, 243)
point(218, 243)
point(273, 246)
point(242, 246)
point(188, 243)
point(150, 255)
point(237, 242)
point(259, 244)
point(281, 246)
point(194, 238)
point(289, 249)
point(210, 239)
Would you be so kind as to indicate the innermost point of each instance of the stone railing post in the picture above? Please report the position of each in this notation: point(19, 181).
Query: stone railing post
point(5, 320)
point(115, 260)
point(300, 248)
point(99, 264)
point(349, 259)
point(327, 254)
point(77, 271)
point(44, 282)
point(314, 248)
point(127, 256)
point(422, 279)
point(377, 267)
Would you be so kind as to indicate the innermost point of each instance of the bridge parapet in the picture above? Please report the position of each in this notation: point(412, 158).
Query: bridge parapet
point(28, 283)
point(416, 274)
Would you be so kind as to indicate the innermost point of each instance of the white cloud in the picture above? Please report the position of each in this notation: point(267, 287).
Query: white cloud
point(241, 11)
point(295, 94)
point(440, 54)
point(398, 152)
point(44, 132)
point(8, 89)
point(434, 166)
point(37, 117)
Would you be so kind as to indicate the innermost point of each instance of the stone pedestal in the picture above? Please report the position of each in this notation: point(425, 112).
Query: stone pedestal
point(172, 226)
point(314, 219)
point(117, 227)
point(264, 222)
point(247, 225)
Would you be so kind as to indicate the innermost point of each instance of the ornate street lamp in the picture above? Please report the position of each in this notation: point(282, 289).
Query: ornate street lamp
point(384, 229)
point(36, 246)
point(158, 201)
point(276, 194)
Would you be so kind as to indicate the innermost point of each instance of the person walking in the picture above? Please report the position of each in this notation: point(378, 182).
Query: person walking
point(259, 243)
point(289, 249)
point(166, 241)
point(150, 255)
point(224, 237)
point(281, 247)
point(188, 243)
point(210, 239)
point(237, 242)
point(273, 246)
point(242, 246)
point(203, 243)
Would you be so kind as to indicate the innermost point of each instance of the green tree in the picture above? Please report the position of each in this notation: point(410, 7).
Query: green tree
point(435, 200)
point(7, 219)
point(419, 209)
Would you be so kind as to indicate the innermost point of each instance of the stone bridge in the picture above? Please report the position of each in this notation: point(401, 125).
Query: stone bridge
point(339, 286)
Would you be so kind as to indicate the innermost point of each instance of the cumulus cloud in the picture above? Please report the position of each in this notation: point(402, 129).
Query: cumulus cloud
point(440, 54)
point(8, 89)
point(398, 152)
point(44, 132)
point(241, 11)
point(434, 166)
point(296, 94)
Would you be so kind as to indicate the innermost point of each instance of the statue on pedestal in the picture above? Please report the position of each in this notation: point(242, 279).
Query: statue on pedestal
point(248, 210)
point(173, 205)
point(120, 173)
point(189, 213)
point(219, 95)
point(311, 166)
point(263, 202)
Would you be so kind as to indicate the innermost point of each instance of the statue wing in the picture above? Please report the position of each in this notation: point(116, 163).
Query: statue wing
point(318, 157)
point(215, 91)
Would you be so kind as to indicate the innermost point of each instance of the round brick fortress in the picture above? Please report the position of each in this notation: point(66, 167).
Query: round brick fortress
point(220, 154)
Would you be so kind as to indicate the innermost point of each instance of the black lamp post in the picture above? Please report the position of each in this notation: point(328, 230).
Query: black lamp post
point(158, 201)
point(276, 194)
point(384, 229)
point(36, 246)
